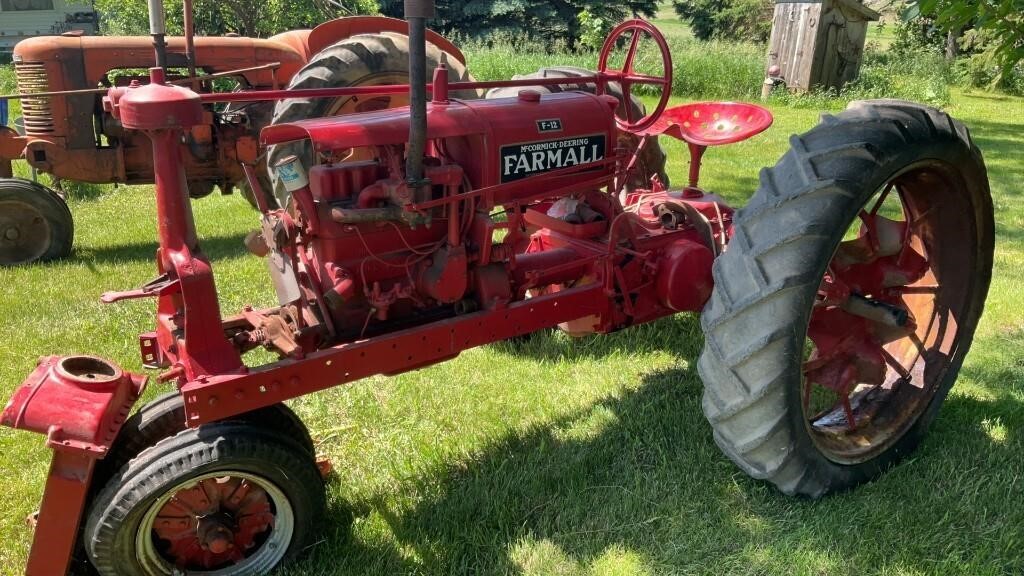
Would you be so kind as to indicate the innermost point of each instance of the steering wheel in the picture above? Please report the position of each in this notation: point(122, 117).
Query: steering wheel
point(628, 77)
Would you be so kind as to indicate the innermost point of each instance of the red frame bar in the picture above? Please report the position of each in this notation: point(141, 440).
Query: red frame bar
point(211, 398)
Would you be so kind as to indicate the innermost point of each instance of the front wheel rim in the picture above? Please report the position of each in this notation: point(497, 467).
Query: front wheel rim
point(224, 523)
point(24, 232)
point(886, 323)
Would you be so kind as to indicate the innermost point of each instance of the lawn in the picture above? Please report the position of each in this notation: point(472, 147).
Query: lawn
point(566, 456)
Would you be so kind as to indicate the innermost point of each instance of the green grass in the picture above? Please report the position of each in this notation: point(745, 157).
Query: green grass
point(882, 35)
point(569, 456)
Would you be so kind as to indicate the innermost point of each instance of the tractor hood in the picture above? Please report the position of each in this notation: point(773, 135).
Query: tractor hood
point(377, 128)
point(82, 62)
point(494, 141)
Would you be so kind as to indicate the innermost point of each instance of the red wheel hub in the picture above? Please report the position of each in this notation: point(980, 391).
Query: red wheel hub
point(860, 309)
point(214, 523)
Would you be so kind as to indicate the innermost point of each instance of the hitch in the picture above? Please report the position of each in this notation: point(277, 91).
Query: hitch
point(79, 403)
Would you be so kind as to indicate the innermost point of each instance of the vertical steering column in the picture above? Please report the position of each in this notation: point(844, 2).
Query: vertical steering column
point(417, 12)
point(189, 326)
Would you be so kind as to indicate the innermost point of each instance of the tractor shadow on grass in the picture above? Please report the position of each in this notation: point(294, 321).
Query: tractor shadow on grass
point(215, 248)
point(679, 335)
point(635, 481)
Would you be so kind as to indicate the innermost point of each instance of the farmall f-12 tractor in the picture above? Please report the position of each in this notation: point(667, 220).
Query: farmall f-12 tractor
point(838, 304)
point(68, 135)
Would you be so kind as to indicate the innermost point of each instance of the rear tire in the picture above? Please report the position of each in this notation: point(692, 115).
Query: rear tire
point(126, 532)
point(35, 223)
point(767, 283)
point(362, 60)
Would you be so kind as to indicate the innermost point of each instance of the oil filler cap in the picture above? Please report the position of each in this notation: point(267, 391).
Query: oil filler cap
point(529, 96)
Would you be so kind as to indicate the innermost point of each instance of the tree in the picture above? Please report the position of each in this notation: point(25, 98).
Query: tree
point(728, 19)
point(998, 25)
point(548, 19)
point(218, 17)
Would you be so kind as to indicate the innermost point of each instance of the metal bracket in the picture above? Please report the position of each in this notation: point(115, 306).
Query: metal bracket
point(162, 285)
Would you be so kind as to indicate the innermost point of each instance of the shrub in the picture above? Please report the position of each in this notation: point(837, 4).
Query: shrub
point(744, 20)
point(982, 71)
point(503, 55)
point(717, 69)
point(547, 20)
point(922, 76)
point(702, 70)
point(8, 84)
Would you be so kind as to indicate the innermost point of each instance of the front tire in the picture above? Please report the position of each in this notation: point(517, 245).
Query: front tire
point(35, 223)
point(165, 416)
point(780, 331)
point(224, 499)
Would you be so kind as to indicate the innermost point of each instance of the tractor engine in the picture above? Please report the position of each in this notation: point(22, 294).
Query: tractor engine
point(512, 207)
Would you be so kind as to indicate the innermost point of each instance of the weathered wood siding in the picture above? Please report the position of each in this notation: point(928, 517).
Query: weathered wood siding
point(843, 36)
point(794, 37)
point(818, 44)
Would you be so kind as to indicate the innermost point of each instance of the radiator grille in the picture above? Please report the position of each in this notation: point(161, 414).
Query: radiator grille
point(38, 111)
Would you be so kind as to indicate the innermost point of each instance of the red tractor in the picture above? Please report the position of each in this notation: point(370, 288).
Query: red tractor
point(838, 304)
point(68, 135)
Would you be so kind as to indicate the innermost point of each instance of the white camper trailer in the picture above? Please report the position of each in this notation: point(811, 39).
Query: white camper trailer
point(21, 19)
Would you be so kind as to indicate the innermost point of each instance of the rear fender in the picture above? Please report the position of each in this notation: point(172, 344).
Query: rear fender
point(333, 31)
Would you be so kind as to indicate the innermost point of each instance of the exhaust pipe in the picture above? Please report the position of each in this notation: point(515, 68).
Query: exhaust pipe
point(417, 12)
point(158, 30)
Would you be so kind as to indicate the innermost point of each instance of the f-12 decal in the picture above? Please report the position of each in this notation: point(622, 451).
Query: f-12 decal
point(520, 161)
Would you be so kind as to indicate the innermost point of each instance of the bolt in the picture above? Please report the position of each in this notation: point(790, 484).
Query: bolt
point(12, 234)
point(219, 545)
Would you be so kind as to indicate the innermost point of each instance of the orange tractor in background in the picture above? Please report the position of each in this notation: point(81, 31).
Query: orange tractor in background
point(66, 132)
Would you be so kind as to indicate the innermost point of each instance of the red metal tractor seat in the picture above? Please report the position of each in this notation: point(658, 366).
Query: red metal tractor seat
point(703, 124)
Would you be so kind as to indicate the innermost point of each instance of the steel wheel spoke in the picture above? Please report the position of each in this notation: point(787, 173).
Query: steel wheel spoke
point(627, 67)
point(895, 365)
point(913, 224)
point(627, 92)
point(851, 420)
point(645, 79)
point(881, 199)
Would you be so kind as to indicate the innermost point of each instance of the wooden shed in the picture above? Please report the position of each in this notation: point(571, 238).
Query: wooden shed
point(818, 44)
